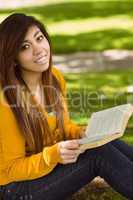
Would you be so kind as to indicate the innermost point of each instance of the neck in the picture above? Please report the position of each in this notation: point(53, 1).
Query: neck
point(32, 79)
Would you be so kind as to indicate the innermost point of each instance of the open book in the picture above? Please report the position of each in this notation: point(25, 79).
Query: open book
point(105, 126)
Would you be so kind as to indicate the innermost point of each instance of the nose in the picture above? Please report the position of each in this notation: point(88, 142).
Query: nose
point(37, 49)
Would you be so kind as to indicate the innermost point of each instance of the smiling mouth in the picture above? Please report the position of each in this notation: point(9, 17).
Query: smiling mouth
point(41, 60)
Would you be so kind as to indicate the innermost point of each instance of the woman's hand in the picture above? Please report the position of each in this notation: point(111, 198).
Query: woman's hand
point(69, 151)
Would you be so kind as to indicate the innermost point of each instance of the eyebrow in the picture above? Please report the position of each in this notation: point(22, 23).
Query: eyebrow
point(36, 33)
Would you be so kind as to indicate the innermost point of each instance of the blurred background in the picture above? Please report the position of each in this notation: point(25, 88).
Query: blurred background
point(93, 47)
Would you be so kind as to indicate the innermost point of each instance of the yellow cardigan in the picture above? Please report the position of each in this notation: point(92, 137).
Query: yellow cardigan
point(14, 164)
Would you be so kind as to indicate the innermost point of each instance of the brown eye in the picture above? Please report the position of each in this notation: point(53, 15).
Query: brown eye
point(24, 47)
point(40, 38)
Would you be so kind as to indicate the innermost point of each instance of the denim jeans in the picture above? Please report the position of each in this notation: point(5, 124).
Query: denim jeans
point(113, 162)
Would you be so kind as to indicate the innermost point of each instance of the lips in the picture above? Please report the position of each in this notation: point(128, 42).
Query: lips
point(41, 60)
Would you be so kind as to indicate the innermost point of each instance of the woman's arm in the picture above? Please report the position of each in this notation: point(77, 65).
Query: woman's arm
point(16, 166)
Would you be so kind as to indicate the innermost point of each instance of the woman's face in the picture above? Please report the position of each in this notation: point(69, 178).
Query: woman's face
point(34, 54)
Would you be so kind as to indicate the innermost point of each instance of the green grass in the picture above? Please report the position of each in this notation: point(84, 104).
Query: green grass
point(113, 85)
point(89, 193)
point(85, 25)
point(91, 92)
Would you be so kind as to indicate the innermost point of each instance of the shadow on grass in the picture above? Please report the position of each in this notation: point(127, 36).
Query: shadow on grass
point(78, 10)
point(87, 94)
point(93, 41)
point(96, 82)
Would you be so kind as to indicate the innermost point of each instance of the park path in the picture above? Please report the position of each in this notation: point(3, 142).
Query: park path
point(94, 61)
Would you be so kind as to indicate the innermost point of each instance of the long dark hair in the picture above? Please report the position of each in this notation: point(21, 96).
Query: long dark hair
point(33, 125)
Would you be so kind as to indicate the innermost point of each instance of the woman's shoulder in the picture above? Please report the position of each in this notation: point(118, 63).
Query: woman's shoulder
point(57, 73)
point(1, 95)
point(3, 101)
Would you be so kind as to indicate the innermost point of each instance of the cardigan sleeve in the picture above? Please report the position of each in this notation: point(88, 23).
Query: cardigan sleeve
point(72, 130)
point(14, 163)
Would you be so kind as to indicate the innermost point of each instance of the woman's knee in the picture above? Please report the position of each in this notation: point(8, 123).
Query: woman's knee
point(104, 149)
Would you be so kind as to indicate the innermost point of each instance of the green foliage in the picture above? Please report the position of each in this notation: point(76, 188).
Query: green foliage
point(110, 32)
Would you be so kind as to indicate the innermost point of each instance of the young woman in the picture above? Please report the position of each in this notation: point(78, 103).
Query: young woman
point(39, 150)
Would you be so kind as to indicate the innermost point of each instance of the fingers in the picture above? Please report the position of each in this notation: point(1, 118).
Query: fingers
point(69, 151)
point(70, 144)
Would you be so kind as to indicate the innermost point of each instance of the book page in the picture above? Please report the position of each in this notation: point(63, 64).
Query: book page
point(107, 122)
point(89, 145)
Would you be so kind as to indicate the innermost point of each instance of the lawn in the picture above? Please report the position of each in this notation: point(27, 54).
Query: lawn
point(85, 25)
point(91, 92)
point(84, 97)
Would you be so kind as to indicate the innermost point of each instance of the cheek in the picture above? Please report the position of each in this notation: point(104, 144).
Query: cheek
point(46, 46)
point(24, 59)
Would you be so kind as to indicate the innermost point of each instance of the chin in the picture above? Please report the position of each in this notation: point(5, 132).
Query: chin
point(43, 68)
